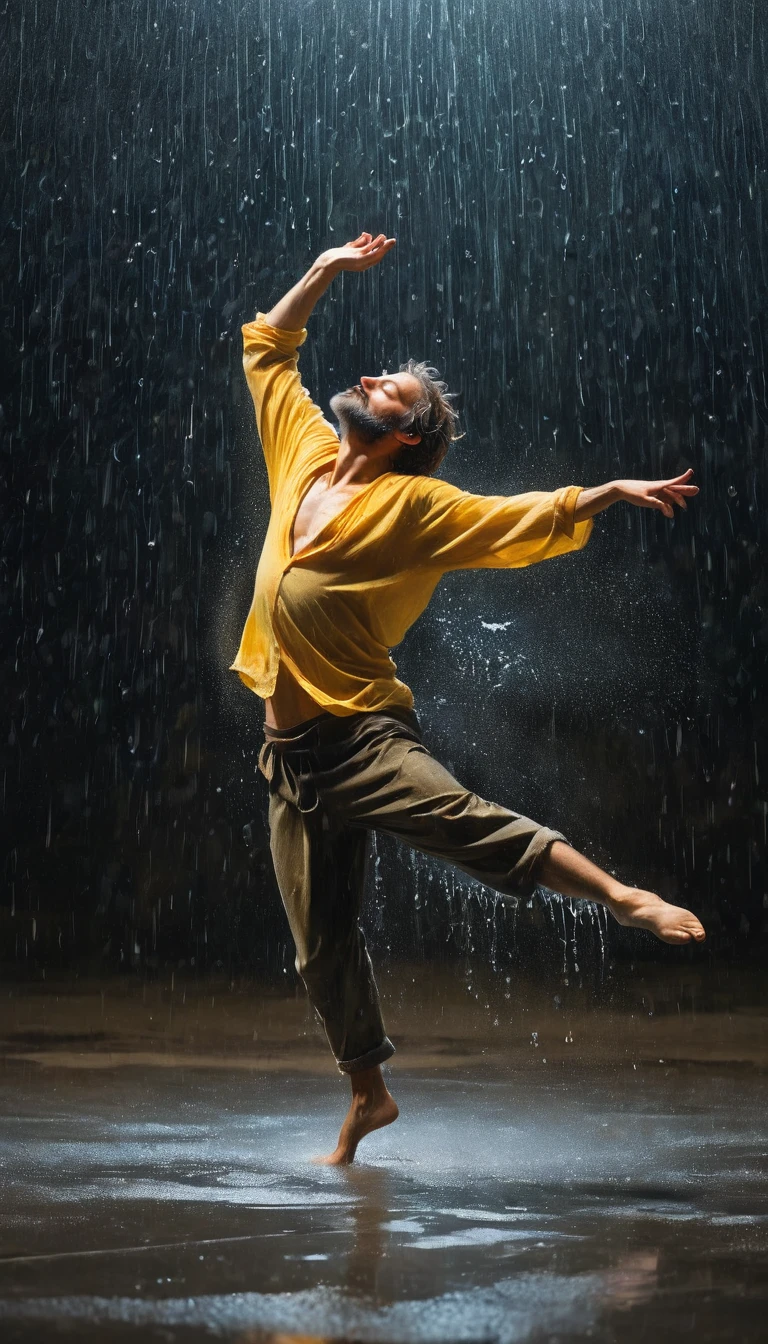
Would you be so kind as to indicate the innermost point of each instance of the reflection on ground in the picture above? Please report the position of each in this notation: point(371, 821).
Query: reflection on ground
point(581, 1200)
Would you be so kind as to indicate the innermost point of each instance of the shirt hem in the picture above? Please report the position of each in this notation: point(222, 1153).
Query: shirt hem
point(339, 708)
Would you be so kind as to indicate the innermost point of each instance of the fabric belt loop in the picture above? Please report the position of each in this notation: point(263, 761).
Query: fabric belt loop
point(307, 799)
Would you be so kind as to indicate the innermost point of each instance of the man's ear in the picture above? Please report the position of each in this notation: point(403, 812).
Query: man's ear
point(410, 439)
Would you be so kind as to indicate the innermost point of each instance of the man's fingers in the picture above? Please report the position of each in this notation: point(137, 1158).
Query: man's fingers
point(680, 494)
point(678, 483)
point(679, 480)
point(666, 496)
point(378, 250)
point(675, 492)
point(672, 497)
point(664, 501)
point(655, 499)
point(365, 251)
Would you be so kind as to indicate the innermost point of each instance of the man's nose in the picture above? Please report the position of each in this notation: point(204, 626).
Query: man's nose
point(367, 383)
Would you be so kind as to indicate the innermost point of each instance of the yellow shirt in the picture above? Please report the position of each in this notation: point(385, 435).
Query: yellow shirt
point(334, 610)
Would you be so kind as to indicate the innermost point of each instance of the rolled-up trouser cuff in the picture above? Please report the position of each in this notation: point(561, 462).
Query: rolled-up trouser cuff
point(369, 1060)
point(525, 870)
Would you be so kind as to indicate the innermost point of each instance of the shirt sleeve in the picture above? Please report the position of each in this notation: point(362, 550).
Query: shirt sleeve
point(463, 531)
point(288, 421)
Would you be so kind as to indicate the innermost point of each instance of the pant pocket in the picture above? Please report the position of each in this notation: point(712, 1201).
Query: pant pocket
point(291, 776)
point(305, 789)
point(266, 761)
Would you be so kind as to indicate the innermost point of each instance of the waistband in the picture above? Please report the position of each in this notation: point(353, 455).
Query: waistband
point(335, 727)
point(291, 734)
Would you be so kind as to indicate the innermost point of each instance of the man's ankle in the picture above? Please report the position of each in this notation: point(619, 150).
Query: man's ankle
point(620, 895)
point(370, 1091)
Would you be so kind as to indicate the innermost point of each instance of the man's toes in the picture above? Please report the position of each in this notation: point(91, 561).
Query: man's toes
point(684, 933)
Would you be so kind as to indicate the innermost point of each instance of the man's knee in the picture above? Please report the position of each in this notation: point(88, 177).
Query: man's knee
point(314, 964)
point(320, 965)
point(327, 965)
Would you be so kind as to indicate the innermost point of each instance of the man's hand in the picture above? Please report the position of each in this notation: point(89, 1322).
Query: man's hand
point(661, 495)
point(358, 255)
point(291, 312)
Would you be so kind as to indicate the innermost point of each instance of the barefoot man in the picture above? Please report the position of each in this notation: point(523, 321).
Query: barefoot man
point(360, 534)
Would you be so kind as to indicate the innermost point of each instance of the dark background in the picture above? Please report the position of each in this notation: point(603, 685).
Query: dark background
point(579, 191)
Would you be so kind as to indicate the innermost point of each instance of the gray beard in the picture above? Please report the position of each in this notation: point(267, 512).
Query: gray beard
point(352, 414)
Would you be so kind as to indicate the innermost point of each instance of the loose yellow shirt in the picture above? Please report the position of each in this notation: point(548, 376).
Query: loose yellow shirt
point(333, 611)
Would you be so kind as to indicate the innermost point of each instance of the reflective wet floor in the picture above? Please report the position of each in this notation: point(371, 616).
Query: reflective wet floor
point(609, 1194)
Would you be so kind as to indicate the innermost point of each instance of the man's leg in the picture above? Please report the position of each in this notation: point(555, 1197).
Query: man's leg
point(320, 870)
point(371, 1108)
point(413, 797)
point(392, 783)
point(389, 781)
point(565, 870)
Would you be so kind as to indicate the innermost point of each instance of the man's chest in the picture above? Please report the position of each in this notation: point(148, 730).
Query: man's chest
point(318, 507)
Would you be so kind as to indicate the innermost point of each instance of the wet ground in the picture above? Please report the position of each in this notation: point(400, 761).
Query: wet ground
point(562, 1171)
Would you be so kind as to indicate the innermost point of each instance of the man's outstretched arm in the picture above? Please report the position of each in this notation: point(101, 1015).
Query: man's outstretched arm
point(288, 420)
point(292, 311)
point(661, 495)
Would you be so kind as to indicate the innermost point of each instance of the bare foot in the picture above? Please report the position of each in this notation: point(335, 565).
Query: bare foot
point(643, 910)
point(367, 1112)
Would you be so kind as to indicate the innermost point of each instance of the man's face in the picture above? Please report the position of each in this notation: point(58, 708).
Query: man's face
point(375, 407)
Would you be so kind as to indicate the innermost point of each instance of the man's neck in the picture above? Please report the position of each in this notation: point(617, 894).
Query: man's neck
point(359, 463)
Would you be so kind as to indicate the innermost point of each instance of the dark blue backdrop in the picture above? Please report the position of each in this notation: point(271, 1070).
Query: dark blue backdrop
point(578, 189)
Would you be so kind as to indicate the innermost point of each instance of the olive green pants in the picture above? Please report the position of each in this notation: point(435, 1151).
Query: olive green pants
point(331, 780)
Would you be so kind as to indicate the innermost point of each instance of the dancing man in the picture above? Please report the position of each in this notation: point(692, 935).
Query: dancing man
point(360, 534)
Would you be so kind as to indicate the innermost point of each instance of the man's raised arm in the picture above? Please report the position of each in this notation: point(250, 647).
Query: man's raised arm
point(288, 421)
point(291, 312)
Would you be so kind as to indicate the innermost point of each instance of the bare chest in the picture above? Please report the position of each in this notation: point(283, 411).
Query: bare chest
point(317, 508)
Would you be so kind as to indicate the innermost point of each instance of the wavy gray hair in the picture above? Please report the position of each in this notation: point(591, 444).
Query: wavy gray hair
point(433, 417)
